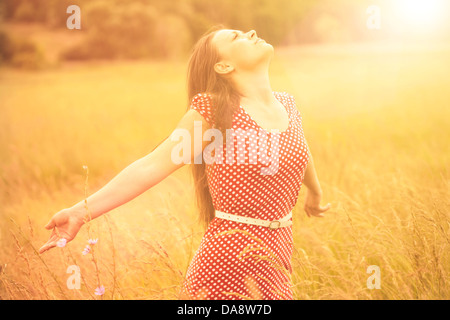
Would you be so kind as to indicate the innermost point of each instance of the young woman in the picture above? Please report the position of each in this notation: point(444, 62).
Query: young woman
point(247, 247)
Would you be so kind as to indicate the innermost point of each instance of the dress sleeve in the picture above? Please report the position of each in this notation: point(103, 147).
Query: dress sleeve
point(299, 119)
point(293, 106)
point(202, 103)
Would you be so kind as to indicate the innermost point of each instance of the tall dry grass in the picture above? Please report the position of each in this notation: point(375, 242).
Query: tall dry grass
point(377, 123)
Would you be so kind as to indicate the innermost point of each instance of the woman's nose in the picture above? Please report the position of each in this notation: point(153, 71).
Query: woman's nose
point(251, 34)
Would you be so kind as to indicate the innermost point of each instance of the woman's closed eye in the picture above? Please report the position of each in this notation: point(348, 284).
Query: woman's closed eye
point(237, 34)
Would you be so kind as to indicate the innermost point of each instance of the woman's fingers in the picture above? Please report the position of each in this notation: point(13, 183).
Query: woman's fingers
point(325, 208)
point(50, 225)
point(317, 212)
point(46, 247)
point(51, 243)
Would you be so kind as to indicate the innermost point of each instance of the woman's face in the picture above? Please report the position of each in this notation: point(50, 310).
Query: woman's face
point(242, 51)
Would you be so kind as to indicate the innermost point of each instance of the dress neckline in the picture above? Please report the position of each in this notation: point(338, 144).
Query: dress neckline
point(271, 131)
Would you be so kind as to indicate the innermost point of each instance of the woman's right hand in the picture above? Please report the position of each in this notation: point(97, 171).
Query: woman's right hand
point(312, 204)
point(64, 224)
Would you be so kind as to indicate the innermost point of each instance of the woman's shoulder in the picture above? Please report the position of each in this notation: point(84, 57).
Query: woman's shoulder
point(202, 97)
point(283, 94)
point(285, 97)
point(202, 103)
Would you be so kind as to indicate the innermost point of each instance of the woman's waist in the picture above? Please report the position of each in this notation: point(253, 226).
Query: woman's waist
point(253, 214)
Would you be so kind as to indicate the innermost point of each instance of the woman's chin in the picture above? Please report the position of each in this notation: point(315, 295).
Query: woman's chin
point(269, 47)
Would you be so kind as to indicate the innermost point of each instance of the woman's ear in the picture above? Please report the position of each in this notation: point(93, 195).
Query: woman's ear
point(223, 68)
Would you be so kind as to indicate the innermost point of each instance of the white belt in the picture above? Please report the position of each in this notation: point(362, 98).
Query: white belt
point(272, 225)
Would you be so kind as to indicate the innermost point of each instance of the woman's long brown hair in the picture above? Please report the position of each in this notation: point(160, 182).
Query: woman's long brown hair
point(202, 78)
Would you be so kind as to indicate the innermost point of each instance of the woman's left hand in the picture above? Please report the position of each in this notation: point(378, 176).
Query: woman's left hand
point(312, 204)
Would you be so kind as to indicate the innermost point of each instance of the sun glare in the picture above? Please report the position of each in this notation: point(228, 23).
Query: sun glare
point(420, 15)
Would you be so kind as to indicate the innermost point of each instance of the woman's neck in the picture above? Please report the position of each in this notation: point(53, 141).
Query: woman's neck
point(254, 88)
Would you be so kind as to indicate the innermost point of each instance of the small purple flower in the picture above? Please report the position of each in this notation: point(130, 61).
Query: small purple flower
point(86, 250)
point(61, 242)
point(92, 241)
point(100, 291)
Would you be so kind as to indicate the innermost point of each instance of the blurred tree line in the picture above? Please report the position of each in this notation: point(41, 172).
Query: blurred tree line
point(166, 29)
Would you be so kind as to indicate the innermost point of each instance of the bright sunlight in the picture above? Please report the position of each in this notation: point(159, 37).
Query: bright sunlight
point(420, 16)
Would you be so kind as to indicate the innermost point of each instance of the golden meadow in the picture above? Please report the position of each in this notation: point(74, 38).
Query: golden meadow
point(377, 120)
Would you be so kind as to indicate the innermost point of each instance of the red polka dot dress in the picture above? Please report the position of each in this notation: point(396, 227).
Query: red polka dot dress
point(237, 260)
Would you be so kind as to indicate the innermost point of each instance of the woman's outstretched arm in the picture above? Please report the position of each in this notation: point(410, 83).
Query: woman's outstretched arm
point(132, 181)
point(314, 192)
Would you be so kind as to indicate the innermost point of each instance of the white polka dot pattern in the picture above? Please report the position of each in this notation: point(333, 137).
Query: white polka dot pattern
point(237, 260)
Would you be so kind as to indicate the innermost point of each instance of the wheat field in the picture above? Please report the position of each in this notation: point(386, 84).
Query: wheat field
point(377, 121)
